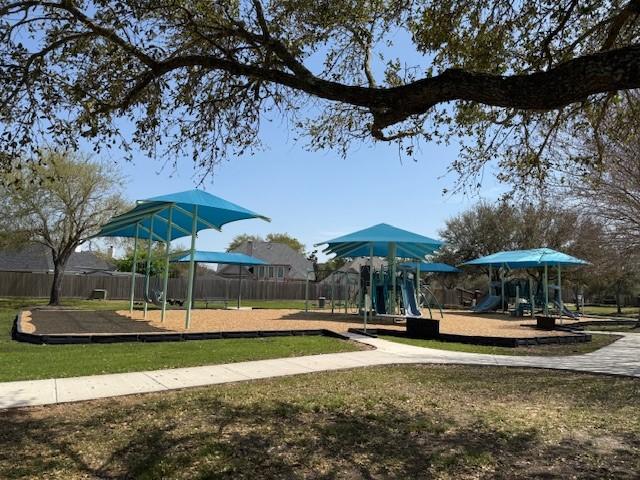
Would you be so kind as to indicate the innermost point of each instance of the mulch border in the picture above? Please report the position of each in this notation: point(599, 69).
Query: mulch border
point(87, 338)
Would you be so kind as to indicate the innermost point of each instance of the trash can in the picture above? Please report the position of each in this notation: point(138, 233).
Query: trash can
point(321, 302)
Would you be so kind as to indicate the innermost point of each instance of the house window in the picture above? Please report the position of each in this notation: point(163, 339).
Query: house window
point(280, 272)
point(270, 274)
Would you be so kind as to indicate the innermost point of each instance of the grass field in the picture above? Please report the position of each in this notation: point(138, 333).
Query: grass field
point(597, 342)
point(124, 304)
point(442, 422)
point(612, 328)
point(21, 361)
point(609, 311)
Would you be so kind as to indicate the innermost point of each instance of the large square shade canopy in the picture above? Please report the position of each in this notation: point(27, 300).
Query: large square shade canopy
point(534, 258)
point(430, 267)
point(227, 258)
point(211, 212)
point(381, 237)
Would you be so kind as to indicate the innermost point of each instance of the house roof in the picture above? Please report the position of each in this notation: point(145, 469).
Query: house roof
point(37, 258)
point(278, 254)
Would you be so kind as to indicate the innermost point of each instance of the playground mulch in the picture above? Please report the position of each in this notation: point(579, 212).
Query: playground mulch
point(217, 320)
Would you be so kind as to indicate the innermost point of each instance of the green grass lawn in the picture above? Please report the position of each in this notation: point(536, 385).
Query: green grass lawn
point(609, 311)
point(597, 342)
point(612, 328)
point(426, 421)
point(21, 361)
point(124, 304)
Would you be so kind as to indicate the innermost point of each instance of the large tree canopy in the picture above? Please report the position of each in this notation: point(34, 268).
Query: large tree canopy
point(198, 77)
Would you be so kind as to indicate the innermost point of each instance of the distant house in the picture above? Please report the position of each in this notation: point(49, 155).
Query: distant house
point(352, 270)
point(36, 258)
point(283, 263)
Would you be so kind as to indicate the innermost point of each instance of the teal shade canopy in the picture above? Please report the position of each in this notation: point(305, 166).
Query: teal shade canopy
point(534, 258)
point(227, 258)
point(431, 267)
point(212, 212)
point(381, 237)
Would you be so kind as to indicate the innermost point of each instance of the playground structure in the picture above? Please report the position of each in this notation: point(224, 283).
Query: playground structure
point(521, 292)
point(164, 219)
point(389, 291)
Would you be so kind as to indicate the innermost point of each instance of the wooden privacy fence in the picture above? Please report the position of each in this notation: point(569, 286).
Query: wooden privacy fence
point(25, 284)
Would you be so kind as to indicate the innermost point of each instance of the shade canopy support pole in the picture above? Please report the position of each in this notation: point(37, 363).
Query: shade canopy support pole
point(502, 288)
point(165, 283)
point(148, 272)
point(490, 278)
point(371, 279)
point(532, 297)
point(392, 258)
point(133, 269)
point(545, 286)
point(239, 285)
point(418, 283)
point(560, 302)
point(192, 255)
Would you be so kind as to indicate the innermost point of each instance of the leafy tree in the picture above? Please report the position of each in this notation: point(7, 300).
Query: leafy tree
point(125, 263)
point(287, 239)
point(486, 229)
point(200, 77)
point(242, 238)
point(59, 203)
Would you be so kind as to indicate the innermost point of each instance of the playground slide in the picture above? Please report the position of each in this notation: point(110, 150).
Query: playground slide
point(565, 311)
point(409, 300)
point(489, 304)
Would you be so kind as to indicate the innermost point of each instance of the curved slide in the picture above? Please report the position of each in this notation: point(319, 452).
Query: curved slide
point(490, 303)
point(565, 311)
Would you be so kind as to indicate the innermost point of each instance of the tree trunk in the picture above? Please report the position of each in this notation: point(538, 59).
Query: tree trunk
point(619, 307)
point(54, 295)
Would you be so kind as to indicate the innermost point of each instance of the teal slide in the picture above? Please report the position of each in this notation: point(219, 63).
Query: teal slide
point(490, 303)
point(409, 300)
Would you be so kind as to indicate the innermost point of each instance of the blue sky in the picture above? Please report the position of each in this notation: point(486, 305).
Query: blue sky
point(315, 196)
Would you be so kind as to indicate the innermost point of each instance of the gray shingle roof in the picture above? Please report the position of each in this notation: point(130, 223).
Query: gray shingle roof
point(37, 258)
point(275, 254)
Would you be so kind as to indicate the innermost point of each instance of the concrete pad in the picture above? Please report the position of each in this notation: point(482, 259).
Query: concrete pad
point(100, 386)
point(195, 376)
point(27, 393)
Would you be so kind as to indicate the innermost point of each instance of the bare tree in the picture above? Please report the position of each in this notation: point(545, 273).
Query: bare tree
point(58, 203)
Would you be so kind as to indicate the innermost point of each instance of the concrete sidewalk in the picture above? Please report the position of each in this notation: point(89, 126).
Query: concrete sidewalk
point(620, 358)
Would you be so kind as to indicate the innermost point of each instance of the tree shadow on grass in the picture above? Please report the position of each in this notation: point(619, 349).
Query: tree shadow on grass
point(208, 437)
